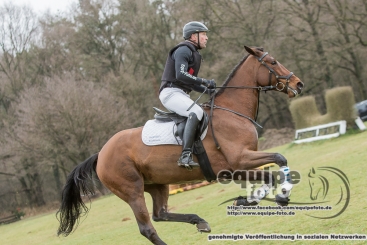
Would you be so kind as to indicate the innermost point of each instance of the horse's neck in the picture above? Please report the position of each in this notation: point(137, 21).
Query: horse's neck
point(242, 100)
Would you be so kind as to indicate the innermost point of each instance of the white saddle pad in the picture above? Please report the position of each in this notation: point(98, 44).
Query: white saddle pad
point(162, 133)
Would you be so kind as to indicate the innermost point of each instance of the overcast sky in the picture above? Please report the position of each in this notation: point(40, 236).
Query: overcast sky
point(42, 5)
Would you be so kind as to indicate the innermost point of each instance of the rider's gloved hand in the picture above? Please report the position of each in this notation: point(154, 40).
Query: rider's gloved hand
point(211, 91)
point(209, 83)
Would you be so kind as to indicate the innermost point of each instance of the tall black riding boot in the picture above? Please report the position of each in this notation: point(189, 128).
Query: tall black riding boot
point(187, 143)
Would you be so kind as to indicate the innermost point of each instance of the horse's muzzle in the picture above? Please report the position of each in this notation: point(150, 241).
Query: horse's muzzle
point(295, 91)
point(300, 86)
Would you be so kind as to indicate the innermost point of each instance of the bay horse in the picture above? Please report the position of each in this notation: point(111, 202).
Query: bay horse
point(128, 167)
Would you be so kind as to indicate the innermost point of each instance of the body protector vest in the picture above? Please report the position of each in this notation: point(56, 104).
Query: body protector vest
point(169, 74)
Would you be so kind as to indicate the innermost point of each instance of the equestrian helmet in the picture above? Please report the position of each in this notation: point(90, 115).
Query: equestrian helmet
point(193, 27)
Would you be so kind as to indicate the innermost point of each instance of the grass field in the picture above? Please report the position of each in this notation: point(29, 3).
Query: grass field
point(105, 225)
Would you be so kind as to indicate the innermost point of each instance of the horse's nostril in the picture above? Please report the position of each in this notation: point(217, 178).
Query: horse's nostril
point(300, 85)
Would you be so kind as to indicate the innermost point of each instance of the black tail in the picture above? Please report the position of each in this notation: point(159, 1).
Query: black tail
point(72, 207)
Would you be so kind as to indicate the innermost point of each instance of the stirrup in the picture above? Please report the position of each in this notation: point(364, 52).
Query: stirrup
point(190, 164)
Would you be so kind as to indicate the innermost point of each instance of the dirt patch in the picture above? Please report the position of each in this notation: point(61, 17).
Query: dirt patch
point(275, 137)
point(126, 219)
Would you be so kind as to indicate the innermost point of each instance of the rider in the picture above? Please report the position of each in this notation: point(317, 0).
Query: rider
point(180, 78)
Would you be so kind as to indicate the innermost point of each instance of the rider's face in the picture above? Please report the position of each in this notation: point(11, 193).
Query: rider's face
point(203, 38)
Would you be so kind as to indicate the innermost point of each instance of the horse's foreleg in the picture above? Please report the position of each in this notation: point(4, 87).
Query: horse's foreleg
point(255, 159)
point(265, 178)
point(159, 195)
point(142, 217)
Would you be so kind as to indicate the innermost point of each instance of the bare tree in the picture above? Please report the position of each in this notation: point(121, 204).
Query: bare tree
point(152, 29)
point(55, 52)
point(18, 27)
point(360, 21)
point(57, 127)
point(100, 38)
point(303, 20)
point(345, 45)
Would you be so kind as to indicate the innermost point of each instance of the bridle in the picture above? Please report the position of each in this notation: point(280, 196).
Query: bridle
point(259, 88)
point(271, 72)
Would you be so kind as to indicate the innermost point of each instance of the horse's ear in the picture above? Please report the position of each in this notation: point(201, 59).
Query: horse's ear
point(249, 50)
point(311, 173)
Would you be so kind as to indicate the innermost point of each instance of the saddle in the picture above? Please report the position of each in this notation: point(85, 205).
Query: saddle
point(199, 149)
point(180, 122)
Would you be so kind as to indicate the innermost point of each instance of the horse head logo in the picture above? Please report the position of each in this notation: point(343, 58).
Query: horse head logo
point(318, 183)
point(334, 188)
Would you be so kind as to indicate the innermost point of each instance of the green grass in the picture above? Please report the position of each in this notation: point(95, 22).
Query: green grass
point(104, 224)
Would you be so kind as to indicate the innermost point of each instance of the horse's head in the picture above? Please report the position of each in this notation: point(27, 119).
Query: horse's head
point(274, 74)
point(317, 183)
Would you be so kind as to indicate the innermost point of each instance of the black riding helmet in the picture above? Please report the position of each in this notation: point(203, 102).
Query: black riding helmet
point(193, 27)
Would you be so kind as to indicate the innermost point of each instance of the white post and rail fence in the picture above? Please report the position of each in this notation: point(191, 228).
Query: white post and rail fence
point(324, 131)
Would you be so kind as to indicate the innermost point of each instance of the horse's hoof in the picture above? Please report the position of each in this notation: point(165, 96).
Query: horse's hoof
point(203, 227)
point(245, 202)
point(281, 201)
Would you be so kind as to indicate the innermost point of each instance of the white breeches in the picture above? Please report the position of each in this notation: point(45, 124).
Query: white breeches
point(176, 100)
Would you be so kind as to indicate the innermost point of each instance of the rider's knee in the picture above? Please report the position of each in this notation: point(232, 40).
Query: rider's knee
point(198, 112)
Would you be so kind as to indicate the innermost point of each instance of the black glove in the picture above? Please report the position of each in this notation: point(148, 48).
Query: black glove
point(209, 83)
point(211, 91)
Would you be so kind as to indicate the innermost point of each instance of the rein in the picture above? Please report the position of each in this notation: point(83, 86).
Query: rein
point(212, 106)
point(260, 88)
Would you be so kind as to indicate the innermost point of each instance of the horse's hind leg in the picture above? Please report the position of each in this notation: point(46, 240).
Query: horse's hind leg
point(142, 217)
point(159, 195)
point(128, 185)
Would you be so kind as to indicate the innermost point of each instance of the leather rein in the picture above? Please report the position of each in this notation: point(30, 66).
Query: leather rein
point(259, 88)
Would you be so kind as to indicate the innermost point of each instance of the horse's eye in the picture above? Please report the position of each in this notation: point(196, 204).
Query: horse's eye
point(274, 62)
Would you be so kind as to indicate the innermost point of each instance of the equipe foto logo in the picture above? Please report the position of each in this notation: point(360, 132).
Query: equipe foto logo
point(327, 186)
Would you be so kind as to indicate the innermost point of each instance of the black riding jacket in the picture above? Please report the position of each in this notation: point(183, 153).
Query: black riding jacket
point(182, 66)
